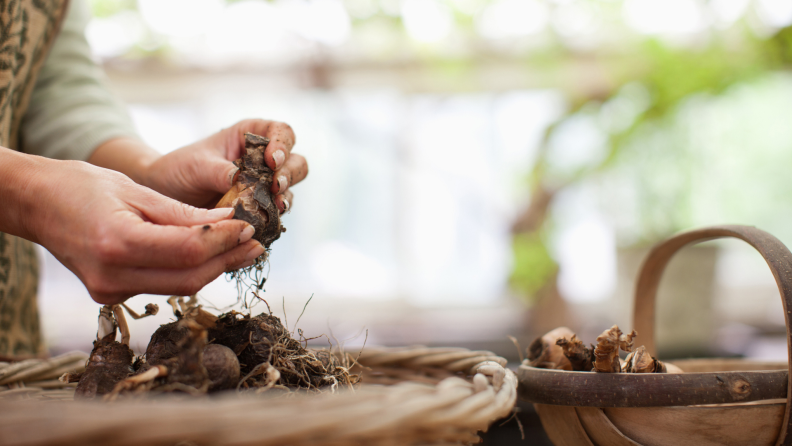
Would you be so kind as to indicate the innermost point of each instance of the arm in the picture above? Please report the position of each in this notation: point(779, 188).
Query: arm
point(119, 238)
point(73, 115)
point(200, 173)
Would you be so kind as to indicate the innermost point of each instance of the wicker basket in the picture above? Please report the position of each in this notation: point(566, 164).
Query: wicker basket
point(407, 396)
point(715, 402)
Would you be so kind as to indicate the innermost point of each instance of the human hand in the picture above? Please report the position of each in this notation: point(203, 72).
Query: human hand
point(122, 239)
point(199, 174)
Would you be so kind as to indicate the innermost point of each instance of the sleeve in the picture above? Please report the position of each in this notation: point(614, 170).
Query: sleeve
point(72, 111)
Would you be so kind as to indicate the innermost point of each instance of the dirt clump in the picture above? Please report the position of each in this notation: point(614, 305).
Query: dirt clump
point(109, 363)
point(262, 342)
point(201, 353)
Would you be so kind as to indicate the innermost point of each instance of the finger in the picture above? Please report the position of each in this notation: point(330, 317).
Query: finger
point(284, 201)
point(217, 175)
point(182, 282)
point(282, 140)
point(162, 210)
point(144, 244)
point(294, 171)
point(280, 134)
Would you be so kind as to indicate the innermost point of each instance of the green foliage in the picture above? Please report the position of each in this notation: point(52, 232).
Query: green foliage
point(654, 143)
point(533, 265)
point(107, 8)
point(673, 75)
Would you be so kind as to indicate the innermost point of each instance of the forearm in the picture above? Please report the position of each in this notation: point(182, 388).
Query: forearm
point(126, 155)
point(26, 180)
point(118, 237)
point(21, 176)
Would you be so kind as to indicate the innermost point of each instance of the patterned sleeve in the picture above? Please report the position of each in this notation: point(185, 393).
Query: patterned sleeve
point(71, 109)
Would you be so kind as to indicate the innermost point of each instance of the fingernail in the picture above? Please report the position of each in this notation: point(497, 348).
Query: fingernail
point(255, 252)
point(285, 205)
point(279, 158)
point(233, 176)
point(246, 233)
point(221, 213)
point(283, 183)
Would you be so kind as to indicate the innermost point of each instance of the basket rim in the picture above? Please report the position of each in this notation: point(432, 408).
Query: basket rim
point(478, 390)
point(591, 389)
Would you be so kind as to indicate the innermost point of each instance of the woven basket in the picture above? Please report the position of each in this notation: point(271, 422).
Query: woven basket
point(407, 396)
point(715, 402)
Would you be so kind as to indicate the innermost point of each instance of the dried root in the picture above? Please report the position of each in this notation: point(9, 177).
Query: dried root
point(606, 354)
point(604, 358)
point(640, 361)
point(202, 353)
point(263, 345)
point(626, 340)
point(137, 382)
point(580, 356)
point(545, 353)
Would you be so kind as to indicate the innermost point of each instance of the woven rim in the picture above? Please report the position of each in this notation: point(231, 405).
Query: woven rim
point(38, 378)
point(438, 396)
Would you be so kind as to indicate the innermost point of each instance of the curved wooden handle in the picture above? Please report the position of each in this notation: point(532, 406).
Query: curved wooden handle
point(778, 258)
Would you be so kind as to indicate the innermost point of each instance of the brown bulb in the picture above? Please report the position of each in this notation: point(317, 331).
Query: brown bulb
point(250, 196)
point(222, 365)
point(545, 353)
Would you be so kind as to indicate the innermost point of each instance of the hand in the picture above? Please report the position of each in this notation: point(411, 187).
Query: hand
point(123, 239)
point(199, 174)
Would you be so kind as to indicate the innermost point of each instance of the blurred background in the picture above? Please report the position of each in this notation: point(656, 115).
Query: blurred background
point(480, 169)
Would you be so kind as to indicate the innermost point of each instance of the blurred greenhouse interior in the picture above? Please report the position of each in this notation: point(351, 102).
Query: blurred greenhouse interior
point(480, 169)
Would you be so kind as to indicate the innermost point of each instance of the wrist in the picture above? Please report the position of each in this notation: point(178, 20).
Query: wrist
point(23, 192)
point(129, 156)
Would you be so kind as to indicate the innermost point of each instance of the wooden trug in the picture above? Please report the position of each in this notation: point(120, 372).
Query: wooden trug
point(715, 402)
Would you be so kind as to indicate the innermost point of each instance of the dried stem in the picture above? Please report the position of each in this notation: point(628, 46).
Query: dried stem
point(578, 354)
point(606, 354)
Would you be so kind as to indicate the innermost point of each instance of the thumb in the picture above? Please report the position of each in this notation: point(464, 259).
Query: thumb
point(219, 174)
point(162, 210)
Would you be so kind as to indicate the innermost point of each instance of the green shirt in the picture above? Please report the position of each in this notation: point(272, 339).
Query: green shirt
point(72, 111)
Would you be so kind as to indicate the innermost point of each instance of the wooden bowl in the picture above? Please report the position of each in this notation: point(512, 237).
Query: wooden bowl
point(715, 402)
